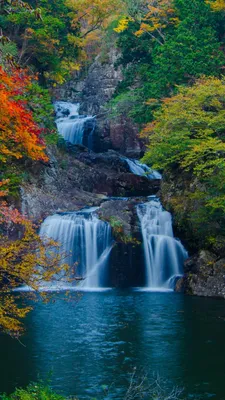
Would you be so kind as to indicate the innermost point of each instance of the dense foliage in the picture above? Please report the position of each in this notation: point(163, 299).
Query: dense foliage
point(21, 136)
point(187, 138)
point(167, 43)
point(55, 37)
point(44, 36)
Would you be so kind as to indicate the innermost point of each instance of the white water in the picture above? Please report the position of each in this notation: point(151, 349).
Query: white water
point(164, 255)
point(69, 123)
point(142, 169)
point(85, 241)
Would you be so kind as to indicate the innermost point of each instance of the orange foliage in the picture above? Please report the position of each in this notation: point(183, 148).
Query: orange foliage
point(19, 134)
point(26, 260)
point(217, 5)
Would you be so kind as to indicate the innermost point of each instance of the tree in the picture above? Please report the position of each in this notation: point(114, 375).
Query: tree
point(24, 257)
point(152, 16)
point(217, 5)
point(19, 135)
point(26, 260)
point(44, 36)
point(185, 44)
point(187, 139)
point(92, 18)
point(94, 15)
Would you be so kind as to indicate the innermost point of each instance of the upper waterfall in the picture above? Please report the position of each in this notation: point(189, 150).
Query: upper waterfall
point(71, 125)
point(85, 241)
point(164, 255)
point(142, 169)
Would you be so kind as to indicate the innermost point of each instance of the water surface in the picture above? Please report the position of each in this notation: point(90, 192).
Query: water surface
point(98, 339)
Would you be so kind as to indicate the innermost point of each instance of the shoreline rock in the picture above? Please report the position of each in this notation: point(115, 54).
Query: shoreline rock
point(204, 276)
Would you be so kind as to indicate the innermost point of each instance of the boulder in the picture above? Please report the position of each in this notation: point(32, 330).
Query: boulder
point(204, 276)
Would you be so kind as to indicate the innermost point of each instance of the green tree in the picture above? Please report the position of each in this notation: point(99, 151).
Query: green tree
point(190, 48)
point(187, 141)
point(45, 37)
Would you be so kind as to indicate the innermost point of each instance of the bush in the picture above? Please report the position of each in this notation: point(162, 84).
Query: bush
point(35, 391)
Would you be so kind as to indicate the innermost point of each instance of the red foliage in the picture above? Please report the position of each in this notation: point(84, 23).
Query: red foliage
point(19, 134)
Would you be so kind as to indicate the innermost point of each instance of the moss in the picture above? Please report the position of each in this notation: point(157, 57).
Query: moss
point(118, 231)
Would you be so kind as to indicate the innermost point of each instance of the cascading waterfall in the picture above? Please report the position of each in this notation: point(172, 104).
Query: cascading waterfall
point(142, 169)
point(70, 124)
point(85, 241)
point(164, 255)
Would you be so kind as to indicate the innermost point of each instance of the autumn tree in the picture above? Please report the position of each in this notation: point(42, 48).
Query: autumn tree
point(174, 49)
point(20, 136)
point(151, 16)
point(44, 36)
point(217, 5)
point(24, 258)
point(92, 18)
point(187, 139)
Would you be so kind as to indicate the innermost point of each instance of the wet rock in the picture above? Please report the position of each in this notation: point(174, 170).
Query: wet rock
point(127, 267)
point(180, 285)
point(94, 93)
point(122, 213)
point(204, 260)
point(74, 179)
point(127, 262)
point(204, 276)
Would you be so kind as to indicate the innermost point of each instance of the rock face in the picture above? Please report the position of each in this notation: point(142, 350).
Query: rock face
point(205, 270)
point(122, 213)
point(75, 179)
point(93, 93)
point(127, 262)
point(204, 276)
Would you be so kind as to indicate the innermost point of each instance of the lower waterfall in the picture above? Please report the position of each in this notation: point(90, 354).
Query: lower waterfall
point(85, 242)
point(164, 255)
point(137, 168)
point(71, 125)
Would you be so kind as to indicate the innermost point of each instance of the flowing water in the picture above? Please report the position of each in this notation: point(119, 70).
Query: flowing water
point(137, 168)
point(91, 343)
point(164, 255)
point(70, 124)
point(85, 244)
point(99, 338)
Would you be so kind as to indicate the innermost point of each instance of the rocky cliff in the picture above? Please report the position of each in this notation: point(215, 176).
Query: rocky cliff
point(204, 271)
point(204, 275)
point(76, 178)
point(94, 93)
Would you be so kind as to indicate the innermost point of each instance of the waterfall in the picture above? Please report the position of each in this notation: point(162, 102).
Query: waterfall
point(137, 168)
point(164, 255)
point(85, 241)
point(71, 125)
